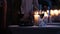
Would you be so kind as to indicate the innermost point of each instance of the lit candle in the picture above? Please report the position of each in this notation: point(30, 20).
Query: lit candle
point(56, 12)
point(52, 12)
point(36, 17)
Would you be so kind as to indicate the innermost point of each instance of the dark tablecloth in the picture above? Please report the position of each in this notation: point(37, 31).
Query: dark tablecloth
point(49, 29)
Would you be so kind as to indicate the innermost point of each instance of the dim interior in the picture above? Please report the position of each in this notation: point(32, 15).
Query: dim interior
point(32, 12)
point(30, 16)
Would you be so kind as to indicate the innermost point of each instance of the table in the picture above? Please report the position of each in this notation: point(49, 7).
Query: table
point(48, 29)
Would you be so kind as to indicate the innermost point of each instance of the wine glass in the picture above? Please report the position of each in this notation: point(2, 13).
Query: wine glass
point(41, 22)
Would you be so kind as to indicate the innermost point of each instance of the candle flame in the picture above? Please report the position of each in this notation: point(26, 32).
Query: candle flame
point(56, 12)
point(47, 11)
point(36, 16)
point(45, 14)
point(36, 13)
point(52, 12)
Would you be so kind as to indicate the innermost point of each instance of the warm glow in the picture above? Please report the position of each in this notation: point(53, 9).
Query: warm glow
point(59, 11)
point(45, 14)
point(56, 12)
point(47, 11)
point(40, 12)
point(36, 17)
point(36, 13)
point(52, 12)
